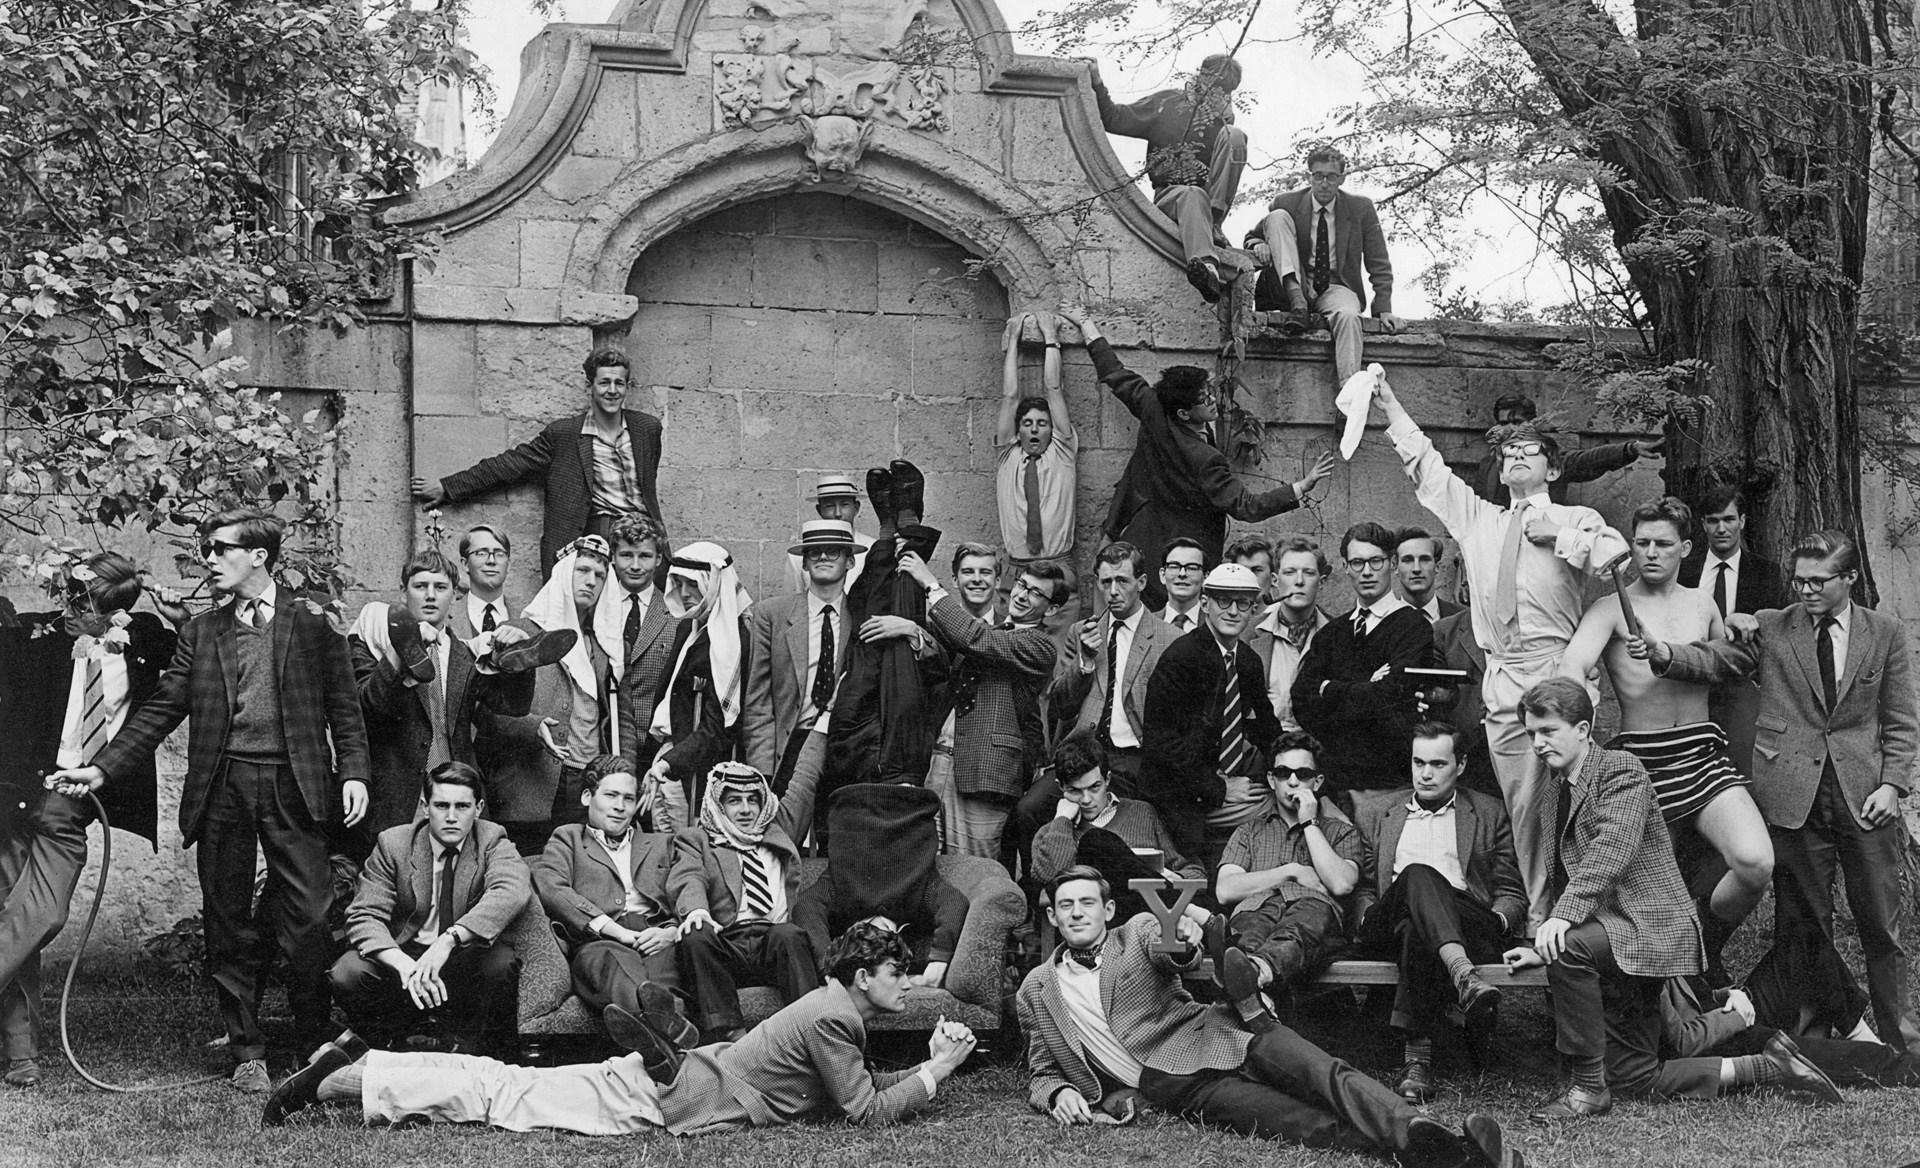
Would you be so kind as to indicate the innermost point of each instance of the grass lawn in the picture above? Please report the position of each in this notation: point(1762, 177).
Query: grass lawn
point(127, 1028)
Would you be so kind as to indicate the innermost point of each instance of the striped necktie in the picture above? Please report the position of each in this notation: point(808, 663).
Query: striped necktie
point(93, 710)
point(756, 893)
point(1233, 740)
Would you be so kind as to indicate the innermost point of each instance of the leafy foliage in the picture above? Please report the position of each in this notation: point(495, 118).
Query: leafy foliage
point(169, 168)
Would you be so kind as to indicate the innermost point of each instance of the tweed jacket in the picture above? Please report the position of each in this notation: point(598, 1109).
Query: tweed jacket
point(1484, 838)
point(808, 1056)
point(400, 730)
point(779, 637)
point(649, 662)
point(1180, 760)
point(576, 881)
point(1365, 727)
point(1148, 1009)
point(561, 457)
point(36, 677)
point(1619, 867)
point(1869, 737)
point(1090, 691)
point(1358, 243)
point(1177, 483)
point(396, 889)
point(996, 681)
point(319, 711)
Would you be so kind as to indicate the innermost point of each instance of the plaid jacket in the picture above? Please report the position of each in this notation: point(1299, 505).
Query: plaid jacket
point(1148, 1010)
point(1620, 869)
point(318, 703)
point(810, 1055)
point(997, 679)
point(561, 457)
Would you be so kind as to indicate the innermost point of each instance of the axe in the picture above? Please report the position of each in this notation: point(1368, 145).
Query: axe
point(1613, 567)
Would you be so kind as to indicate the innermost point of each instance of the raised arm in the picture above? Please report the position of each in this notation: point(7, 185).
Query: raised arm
point(1003, 429)
point(1439, 490)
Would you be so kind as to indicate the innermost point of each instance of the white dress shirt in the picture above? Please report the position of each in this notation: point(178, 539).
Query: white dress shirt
point(114, 683)
point(1431, 838)
point(1841, 634)
point(1122, 729)
point(1380, 610)
point(477, 612)
point(1284, 663)
point(1710, 574)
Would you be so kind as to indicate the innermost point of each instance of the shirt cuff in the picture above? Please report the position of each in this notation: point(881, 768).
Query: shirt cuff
point(934, 597)
point(926, 1078)
point(600, 924)
point(1401, 429)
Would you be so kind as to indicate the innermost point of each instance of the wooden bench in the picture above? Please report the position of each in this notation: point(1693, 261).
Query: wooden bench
point(1370, 973)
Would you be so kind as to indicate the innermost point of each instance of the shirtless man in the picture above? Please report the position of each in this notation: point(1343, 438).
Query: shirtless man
point(1664, 723)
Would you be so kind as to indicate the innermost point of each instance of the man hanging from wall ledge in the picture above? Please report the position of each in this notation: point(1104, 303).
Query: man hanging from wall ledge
point(595, 467)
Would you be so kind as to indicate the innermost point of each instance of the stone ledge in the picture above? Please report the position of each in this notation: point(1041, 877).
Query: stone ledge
point(468, 302)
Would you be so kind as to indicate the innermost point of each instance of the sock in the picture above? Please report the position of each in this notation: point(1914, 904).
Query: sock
point(1459, 965)
point(1862, 1032)
point(343, 1086)
point(1265, 969)
point(1419, 1050)
point(1749, 1070)
point(1590, 1074)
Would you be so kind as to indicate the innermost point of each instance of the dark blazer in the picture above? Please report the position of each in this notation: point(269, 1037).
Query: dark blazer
point(1871, 735)
point(561, 457)
point(1179, 140)
point(996, 681)
point(1358, 243)
point(1180, 754)
point(576, 880)
point(1483, 835)
point(1762, 582)
point(520, 772)
point(1365, 727)
point(318, 705)
point(700, 725)
point(1089, 691)
point(36, 675)
point(1620, 868)
point(648, 663)
point(1148, 1009)
point(396, 889)
point(1579, 466)
point(1176, 483)
point(778, 640)
point(400, 732)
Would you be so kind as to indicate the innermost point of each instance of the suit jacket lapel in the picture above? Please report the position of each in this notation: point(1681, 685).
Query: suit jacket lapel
point(1800, 635)
point(282, 630)
point(583, 444)
point(1862, 640)
point(1392, 826)
point(1056, 1004)
point(1466, 828)
point(656, 621)
point(799, 634)
point(224, 651)
point(1137, 651)
point(422, 875)
point(730, 866)
point(459, 677)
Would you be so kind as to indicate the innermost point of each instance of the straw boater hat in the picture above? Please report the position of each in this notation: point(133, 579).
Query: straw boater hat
point(825, 533)
point(835, 486)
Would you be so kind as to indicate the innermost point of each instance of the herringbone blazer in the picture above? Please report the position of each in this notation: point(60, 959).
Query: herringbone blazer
point(812, 1054)
point(319, 711)
point(561, 457)
point(1482, 833)
point(997, 678)
point(576, 880)
point(1148, 1009)
point(396, 889)
point(648, 664)
point(400, 730)
point(1620, 868)
point(1090, 691)
point(1870, 736)
point(779, 637)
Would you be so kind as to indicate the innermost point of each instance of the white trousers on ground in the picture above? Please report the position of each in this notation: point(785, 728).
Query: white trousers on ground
point(612, 1098)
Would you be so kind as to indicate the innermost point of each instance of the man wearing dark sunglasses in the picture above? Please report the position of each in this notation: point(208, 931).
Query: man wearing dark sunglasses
point(276, 754)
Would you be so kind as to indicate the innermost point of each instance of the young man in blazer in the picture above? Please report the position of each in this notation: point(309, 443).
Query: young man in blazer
point(1126, 638)
point(647, 629)
point(811, 1055)
point(433, 899)
point(603, 884)
point(1106, 1018)
point(1833, 757)
point(1739, 580)
point(68, 681)
point(1440, 893)
point(276, 752)
point(797, 651)
point(594, 467)
point(1318, 241)
point(1286, 631)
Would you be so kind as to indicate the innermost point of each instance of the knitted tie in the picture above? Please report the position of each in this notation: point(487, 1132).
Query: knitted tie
point(824, 671)
point(1322, 273)
point(93, 711)
point(1030, 484)
point(1829, 675)
point(1114, 629)
point(1720, 588)
point(756, 895)
point(1233, 741)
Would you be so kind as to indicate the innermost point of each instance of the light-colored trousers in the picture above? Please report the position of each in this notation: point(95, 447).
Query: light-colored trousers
point(612, 1098)
point(1192, 208)
point(1523, 780)
point(1340, 304)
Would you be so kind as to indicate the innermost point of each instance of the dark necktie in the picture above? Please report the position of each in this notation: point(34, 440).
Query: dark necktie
point(632, 632)
point(755, 894)
point(1562, 812)
point(487, 621)
point(1322, 274)
point(1823, 645)
point(444, 907)
point(1720, 589)
point(1180, 622)
point(93, 710)
point(1359, 623)
point(1114, 629)
point(1030, 485)
point(823, 672)
point(1084, 958)
point(1233, 740)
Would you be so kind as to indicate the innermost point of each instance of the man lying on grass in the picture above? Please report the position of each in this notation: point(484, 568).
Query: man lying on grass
point(809, 1054)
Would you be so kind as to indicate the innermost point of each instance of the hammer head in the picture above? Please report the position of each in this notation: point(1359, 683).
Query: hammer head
point(1618, 562)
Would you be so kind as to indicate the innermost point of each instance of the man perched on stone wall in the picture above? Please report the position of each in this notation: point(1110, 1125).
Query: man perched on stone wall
point(595, 467)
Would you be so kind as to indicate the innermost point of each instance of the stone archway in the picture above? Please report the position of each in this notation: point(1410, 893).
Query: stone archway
point(806, 332)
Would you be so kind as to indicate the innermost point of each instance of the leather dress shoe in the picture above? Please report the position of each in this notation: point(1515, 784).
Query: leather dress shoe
point(909, 491)
point(1489, 1144)
point(665, 1012)
point(1432, 1144)
point(416, 660)
point(1798, 1072)
point(633, 1033)
point(1415, 1082)
point(1573, 1103)
point(1205, 278)
point(21, 1072)
point(543, 648)
point(880, 494)
point(1239, 978)
point(1213, 939)
point(1478, 1000)
point(301, 1089)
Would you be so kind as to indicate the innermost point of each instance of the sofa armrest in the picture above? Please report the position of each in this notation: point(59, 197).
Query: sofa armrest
point(995, 908)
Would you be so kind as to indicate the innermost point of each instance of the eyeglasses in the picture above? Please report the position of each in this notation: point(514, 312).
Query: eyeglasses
point(1235, 603)
point(1369, 564)
point(487, 554)
point(1324, 176)
point(1304, 774)
point(1522, 449)
point(822, 553)
point(219, 547)
point(1815, 583)
point(1033, 590)
point(1180, 569)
